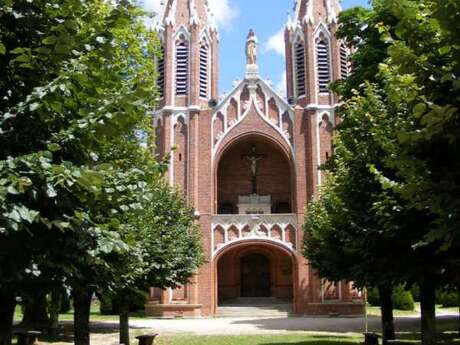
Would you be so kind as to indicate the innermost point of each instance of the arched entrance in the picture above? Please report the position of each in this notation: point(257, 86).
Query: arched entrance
point(254, 171)
point(255, 275)
point(255, 270)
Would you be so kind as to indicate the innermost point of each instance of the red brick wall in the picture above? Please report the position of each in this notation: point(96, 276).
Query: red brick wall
point(273, 111)
point(181, 155)
point(232, 112)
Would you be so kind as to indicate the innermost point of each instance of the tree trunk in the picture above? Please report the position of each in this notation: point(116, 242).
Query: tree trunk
point(35, 311)
point(54, 308)
point(428, 305)
point(458, 293)
point(124, 320)
point(386, 305)
point(8, 305)
point(82, 305)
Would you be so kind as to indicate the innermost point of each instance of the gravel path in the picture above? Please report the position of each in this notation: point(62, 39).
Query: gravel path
point(236, 326)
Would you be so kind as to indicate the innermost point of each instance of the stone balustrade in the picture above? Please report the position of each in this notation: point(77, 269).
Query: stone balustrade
point(279, 228)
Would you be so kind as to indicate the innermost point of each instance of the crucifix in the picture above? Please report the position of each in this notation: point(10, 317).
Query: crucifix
point(253, 158)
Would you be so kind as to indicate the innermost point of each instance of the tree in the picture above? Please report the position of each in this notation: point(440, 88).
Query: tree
point(356, 222)
point(421, 130)
point(166, 250)
point(376, 115)
point(77, 76)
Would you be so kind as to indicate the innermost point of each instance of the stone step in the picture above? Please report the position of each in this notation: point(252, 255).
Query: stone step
point(255, 301)
point(279, 309)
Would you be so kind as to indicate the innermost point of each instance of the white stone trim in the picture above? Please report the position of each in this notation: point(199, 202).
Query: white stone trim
point(269, 93)
point(171, 18)
point(254, 222)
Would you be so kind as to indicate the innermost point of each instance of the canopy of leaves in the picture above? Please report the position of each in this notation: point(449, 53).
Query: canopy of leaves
point(365, 219)
point(78, 79)
point(421, 79)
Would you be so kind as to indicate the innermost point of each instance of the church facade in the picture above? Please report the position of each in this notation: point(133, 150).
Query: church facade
point(248, 161)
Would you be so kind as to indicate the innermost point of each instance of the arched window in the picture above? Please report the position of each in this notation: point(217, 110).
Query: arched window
point(161, 72)
point(182, 68)
point(204, 71)
point(344, 62)
point(323, 64)
point(300, 68)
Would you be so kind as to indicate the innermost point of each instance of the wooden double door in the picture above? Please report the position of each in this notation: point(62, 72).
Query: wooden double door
point(255, 276)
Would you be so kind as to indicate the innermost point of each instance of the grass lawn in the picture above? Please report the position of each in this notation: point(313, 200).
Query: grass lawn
point(375, 311)
point(297, 339)
point(305, 338)
point(293, 339)
point(94, 316)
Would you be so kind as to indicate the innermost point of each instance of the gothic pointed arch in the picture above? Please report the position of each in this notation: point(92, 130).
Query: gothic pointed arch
point(232, 112)
point(273, 111)
point(323, 58)
point(181, 153)
point(344, 61)
point(182, 65)
point(299, 67)
point(205, 67)
point(160, 61)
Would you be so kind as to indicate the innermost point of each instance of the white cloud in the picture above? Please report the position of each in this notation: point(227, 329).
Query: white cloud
point(281, 86)
point(152, 5)
point(276, 43)
point(224, 12)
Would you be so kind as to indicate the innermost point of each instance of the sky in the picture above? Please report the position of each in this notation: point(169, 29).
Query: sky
point(267, 18)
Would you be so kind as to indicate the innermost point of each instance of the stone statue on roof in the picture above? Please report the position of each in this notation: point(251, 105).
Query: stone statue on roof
point(251, 48)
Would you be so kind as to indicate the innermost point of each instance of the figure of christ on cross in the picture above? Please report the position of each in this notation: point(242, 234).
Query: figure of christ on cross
point(253, 158)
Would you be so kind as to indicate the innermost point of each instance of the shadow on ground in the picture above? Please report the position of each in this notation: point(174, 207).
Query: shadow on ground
point(345, 325)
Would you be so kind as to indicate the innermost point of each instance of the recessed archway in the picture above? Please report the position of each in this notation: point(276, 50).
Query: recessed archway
point(255, 270)
point(254, 165)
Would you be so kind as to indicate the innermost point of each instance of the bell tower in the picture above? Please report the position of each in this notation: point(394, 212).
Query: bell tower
point(314, 56)
point(190, 42)
point(187, 78)
point(314, 59)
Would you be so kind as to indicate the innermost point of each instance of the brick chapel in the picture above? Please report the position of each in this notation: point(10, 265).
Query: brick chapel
point(248, 161)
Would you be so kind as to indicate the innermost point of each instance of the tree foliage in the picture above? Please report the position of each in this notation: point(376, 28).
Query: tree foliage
point(78, 193)
point(393, 179)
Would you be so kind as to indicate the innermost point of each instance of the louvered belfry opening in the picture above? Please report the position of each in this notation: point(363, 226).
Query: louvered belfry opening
point(300, 68)
point(323, 64)
point(204, 68)
point(161, 72)
point(344, 62)
point(182, 68)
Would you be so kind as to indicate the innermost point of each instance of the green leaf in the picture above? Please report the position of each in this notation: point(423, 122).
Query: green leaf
point(12, 190)
point(27, 214)
point(50, 40)
point(53, 147)
point(444, 50)
point(2, 49)
point(34, 106)
point(419, 109)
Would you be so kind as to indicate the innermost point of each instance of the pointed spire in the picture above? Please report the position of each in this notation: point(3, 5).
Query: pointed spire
point(186, 12)
point(170, 13)
point(304, 11)
point(332, 10)
point(315, 11)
